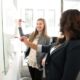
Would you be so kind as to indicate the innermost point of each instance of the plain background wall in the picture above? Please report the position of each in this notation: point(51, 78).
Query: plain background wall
point(1, 46)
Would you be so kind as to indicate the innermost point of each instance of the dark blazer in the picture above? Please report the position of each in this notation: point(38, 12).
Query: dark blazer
point(63, 63)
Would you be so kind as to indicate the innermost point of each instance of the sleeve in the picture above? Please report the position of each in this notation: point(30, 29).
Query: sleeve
point(43, 48)
point(72, 64)
point(20, 31)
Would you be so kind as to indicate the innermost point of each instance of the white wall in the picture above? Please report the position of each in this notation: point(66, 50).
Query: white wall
point(1, 46)
point(72, 4)
point(44, 5)
point(38, 4)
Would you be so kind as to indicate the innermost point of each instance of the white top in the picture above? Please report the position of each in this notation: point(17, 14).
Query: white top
point(32, 61)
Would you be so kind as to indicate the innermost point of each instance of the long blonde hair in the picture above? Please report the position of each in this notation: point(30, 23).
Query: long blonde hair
point(44, 32)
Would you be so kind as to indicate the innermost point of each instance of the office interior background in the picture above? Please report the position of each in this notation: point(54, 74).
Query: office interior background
point(11, 49)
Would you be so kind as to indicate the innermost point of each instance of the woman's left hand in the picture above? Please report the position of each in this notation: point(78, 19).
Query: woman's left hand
point(43, 61)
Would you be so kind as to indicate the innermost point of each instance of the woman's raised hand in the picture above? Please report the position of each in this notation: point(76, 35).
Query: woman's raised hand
point(19, 22)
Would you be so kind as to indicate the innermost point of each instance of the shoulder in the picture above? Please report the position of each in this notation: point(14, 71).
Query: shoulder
point(44, 37)
point(73, 48)
point(47, 38)
point(73, 44)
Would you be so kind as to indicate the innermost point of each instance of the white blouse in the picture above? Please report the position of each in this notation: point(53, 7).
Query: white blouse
point(32, 61)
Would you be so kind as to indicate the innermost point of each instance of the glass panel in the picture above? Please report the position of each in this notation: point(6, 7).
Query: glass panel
point(72, 4)
point(1, 45)
point(50, 18)
point(28, 26)
point(9, 30)
point(28, 17)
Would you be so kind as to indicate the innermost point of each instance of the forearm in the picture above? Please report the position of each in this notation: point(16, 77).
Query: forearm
point(37, 47)
point(30, 44)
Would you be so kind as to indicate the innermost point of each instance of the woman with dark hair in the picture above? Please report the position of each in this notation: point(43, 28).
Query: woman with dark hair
point(63, 60)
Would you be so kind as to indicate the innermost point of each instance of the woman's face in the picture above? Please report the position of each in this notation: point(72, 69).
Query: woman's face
point(40, 26)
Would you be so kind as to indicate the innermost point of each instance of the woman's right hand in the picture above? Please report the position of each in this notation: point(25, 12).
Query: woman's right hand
point(28, 42)
point(19, 22)
point(24, 39)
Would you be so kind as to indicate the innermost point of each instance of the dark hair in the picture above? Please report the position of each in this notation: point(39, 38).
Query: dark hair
point(70, 22)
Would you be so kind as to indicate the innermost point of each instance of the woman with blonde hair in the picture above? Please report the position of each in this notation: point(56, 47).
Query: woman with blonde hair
point(39, 36)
